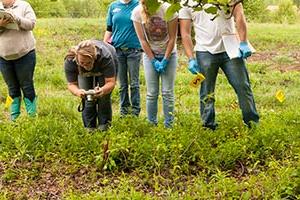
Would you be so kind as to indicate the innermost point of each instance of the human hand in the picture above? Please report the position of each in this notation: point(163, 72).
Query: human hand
point(155, 64)
point(193, 66)
point(80, 93)
point(245, 50)
point(99, 92)
point(13, 17)
point(163, 65)
point(4, 22)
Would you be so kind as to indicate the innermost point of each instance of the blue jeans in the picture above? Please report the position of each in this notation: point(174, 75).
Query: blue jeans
point(167, 90)
point(237, 75)
point(100, 109)
point(128, 74)
point(18, 75)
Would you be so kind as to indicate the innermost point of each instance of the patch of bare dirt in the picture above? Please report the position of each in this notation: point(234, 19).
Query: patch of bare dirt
point(269, 57)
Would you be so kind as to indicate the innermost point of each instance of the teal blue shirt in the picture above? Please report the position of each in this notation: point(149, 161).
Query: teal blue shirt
point(123, 32)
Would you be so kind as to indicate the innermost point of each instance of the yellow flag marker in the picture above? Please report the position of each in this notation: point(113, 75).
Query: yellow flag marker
point(8, 101)
point(280, 96)
point(197, 80)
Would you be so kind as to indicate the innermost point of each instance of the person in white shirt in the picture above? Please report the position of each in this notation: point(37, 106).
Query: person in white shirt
point(158, 40)
point(211, 55)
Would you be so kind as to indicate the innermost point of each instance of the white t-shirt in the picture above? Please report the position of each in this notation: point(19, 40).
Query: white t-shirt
point(156, 30)
point(208, 32)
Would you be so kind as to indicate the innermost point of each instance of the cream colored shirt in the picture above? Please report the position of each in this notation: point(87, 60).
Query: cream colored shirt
point(208, 32)
point(16, 43)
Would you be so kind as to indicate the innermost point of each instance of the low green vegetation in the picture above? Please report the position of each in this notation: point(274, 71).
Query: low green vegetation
point(54, 157)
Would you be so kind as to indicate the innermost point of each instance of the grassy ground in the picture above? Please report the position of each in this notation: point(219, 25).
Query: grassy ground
point(53, 157)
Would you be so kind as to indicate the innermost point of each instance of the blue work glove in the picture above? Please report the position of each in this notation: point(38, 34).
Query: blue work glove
point(155, 64)
point(163, 65)
point(193, 66)
point(245, 50)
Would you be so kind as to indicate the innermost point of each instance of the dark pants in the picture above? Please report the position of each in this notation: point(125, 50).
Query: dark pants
point(236, 72)
point(100, 108)
point(18, 75)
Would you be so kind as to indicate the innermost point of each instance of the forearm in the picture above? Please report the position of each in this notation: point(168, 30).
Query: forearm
point(108, 86)
point(26, 21)
point(26, 24)
point(107, 36)
point(73, 88)
point(240, 21)
point(170, 47)
point(147, 49)
point(188, 46)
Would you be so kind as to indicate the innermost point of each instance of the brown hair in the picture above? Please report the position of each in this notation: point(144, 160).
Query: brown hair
point(87, 50)
point(144, 12)
point(84, 50)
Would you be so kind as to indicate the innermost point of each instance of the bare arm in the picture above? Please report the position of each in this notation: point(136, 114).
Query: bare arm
point(172, 29)
point(74, 89)
point(240, 21)
point(109, 85)
point(185, 31)
point(107, 36)
point(145, 45)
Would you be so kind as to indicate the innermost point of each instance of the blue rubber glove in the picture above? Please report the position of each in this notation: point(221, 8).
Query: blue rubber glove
point(193, 66)
point(163, 65)
point(156, 65)
point(245, 50)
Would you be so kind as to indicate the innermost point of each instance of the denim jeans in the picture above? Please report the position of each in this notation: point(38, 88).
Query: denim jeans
point(128, 74)
point(167, 89)
point(18, 75)
point(100, 109)
point(237, 75)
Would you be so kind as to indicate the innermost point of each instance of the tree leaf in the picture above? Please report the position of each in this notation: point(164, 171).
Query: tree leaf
point(211, 10)
point(152, 6)
point(171, 10)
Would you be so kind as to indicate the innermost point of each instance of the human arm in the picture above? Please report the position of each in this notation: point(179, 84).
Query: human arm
point(27, 19)
point(75, 90)
point(107, 88)
point(241, 26)
point(107, 36)
point(185, 31)
point(144, 43)
point(240, 20)
point(172, 30)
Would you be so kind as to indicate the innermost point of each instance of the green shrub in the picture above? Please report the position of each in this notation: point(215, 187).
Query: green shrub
point(48, 8)
point(286, 13)
point(255, 10)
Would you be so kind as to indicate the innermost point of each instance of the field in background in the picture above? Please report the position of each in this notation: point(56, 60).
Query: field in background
point(53, 157)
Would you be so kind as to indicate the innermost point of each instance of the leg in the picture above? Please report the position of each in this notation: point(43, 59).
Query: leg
point(10, 77)
point(123, 80)
point(237, 75)
point(89, 114)
point(133, 63)
point(152, 85)
point(210, 67)
point(8, 71)
point(168, 81)
point(104, 108)
point(25, 69)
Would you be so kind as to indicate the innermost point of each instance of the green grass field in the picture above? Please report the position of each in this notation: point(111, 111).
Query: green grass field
point(54, 157)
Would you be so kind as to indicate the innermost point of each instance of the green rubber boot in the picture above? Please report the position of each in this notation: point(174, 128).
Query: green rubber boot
point(30, 106)
point(15, 108)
